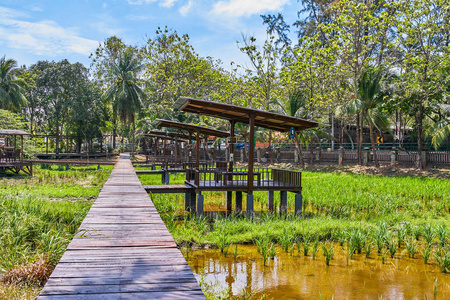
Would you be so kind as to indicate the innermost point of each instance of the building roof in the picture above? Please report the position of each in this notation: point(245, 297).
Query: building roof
point(191, 128)
point(240, 114)
point(13, 132)
point(165, 137)
point(166, 134)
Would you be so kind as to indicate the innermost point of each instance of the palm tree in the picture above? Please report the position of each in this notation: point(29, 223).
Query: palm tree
point(294, 106)
point(12, 95)
point(441, 129)
point(371, 98)
point(124, 92)
point(367, 105)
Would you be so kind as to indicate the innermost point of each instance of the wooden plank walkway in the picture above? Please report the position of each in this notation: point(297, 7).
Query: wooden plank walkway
point(122, 250)
point(168, 189)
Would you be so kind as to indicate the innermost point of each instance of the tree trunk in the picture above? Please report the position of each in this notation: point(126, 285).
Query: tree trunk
point(299, 148)
point(372, 140)
point(114, 138)
point(57, 138)
point(132, 147)
point(358, 139)
point(419, 121)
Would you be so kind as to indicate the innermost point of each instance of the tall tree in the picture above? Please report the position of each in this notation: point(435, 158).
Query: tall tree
point(102, 59)
point(424, 40)
point(12, 88)
point(124, 88)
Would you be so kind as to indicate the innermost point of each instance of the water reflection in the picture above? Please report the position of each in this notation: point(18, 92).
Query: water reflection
point(300, 277)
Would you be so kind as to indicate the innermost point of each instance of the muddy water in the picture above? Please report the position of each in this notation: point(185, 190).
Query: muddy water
point(300, 277)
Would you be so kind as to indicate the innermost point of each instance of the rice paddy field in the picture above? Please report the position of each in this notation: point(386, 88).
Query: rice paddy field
point(38, 218)
point(360, 237)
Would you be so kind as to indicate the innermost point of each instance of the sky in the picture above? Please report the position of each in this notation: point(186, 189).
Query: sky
point(72, 29)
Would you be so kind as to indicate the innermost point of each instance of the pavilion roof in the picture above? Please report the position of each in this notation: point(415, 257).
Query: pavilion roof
point(166, 134)
point(13, 132)
point(240, 114)
point(192, 128)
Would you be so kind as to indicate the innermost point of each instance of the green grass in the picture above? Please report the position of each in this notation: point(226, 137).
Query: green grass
point(334, 204)
point(38, 218)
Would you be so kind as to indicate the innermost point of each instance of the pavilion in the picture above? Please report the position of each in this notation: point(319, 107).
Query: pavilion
point(269, 180)
point(11, 156)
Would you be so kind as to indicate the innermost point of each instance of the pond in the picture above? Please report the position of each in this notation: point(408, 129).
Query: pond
point(302, 277)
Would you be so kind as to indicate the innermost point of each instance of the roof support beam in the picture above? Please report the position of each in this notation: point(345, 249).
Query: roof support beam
point(251, 152)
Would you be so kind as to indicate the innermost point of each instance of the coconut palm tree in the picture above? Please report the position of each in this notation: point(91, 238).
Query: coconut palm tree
point(12, 95)
point(294, 106)
point(370, 99)
point(124, 91)
point(367, 105)
point(440, 131)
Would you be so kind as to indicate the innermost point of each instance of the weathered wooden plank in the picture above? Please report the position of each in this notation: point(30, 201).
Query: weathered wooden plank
point(122, 250)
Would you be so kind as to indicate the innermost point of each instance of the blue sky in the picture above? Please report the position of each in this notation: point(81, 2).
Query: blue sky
point(56, 29)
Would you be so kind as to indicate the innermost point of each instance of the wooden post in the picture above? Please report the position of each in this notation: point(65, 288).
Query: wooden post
point(197, 151)
point(298, 204)
point(250, 204)
point(283, 202)
point(231, 146)
point(187, 201)
point(46, 148)
point(21, 151)
point(176, 151)
point(251, 153)
point(199, 204)
point(189, 148)
point(229, 201)
point(270, 198)
point(238, 202)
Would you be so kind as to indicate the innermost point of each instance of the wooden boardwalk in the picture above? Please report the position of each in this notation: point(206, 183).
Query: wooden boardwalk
point(122, 250)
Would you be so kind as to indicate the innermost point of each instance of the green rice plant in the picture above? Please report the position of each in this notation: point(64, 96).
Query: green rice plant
point(222, 241)
point(235, 252)
point(435, 289)
point(306, 246)
point(357, 240)
point(187, 248)
point(428, 234)
point(426, 252)
point(328, 252)
point(401, 234)
point(315, 248)
point(443, 259)
point(411, 245)
point(384, 252)
point(442, 234)
point(347, 254)
point(272, 251)
point(286, 239)
point(368, 246)
point(417, 232)
point(392, 246)
point(261, 243)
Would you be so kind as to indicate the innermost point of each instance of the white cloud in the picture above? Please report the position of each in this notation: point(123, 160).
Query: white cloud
point(164, 3)
point(168, 3)
point(239, 8)
point(42, 38)
point(184, 10)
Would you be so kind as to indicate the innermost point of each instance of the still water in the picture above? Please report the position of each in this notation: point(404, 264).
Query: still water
point(300, 277)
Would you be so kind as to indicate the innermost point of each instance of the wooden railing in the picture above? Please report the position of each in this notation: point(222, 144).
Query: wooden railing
point(262, 178)
point(287, 177)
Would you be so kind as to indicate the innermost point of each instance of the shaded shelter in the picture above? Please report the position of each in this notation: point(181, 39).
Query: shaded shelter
point(253, 117)
point(193, 130)
point(11, 157)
